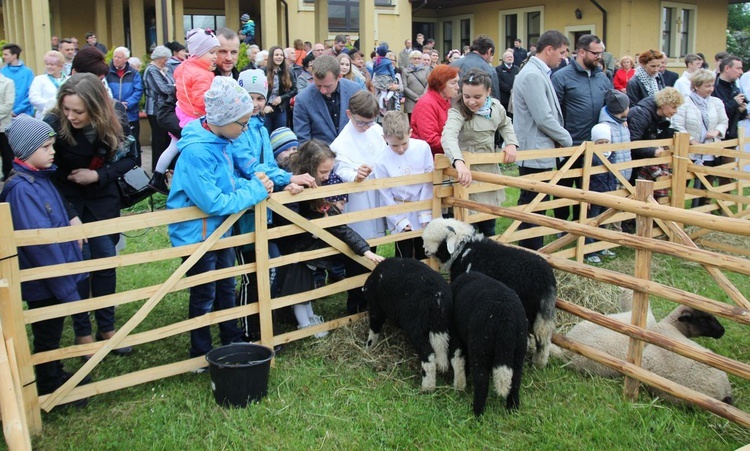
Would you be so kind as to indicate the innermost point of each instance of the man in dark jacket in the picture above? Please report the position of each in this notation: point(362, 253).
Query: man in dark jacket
point(735, 103)
point(506, 74)
point(480, 56)
point(668, 77)
point(519, 53)
point(127, 88)
point(581, 88)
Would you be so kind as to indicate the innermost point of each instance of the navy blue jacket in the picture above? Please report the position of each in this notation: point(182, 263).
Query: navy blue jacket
point(581, 98)
point(128, 89)
point(36, 204)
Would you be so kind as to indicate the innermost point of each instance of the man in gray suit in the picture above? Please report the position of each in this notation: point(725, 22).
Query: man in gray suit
point(538, 119)
point(320, 109)
point(480, 56)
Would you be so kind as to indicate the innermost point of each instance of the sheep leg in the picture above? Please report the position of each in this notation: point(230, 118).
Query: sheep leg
point(543, 330)
point(377, 319)
point(458, 362)
point(481, 387)
point(513, 401)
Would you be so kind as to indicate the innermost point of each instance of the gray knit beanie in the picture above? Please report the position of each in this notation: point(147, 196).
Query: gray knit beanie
point(226, 102)
point(27, 134)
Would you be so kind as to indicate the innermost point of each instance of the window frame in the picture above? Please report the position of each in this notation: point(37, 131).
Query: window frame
point(522, 31)
point(681, 42)
point(455, 21)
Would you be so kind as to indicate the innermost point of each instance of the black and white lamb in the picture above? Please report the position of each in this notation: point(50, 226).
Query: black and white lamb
point(419, 301)
point(493, 333)
point(461, 249)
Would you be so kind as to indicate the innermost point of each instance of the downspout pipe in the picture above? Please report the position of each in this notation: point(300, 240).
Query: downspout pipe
point(604, 19)
point(164, 21)
point(424, 3)
point(286, 20)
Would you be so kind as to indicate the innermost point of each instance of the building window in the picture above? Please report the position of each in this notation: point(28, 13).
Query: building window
point(214, 22)
point(455, 32)
point(678, 28)
point(524, 23)
point(447, 36)
point(343, 15)
point(465, 34)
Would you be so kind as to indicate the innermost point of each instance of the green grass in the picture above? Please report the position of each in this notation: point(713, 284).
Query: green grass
point(333, 394)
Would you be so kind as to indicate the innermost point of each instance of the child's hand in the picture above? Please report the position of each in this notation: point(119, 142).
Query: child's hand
point(304, 180)
point(267, 183)
point(510, 153)
point(363, 172)
point(373, 257)
point(464, 174)
point(268, 109)
point(294, 188)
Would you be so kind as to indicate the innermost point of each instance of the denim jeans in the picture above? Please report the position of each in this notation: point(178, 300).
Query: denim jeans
point(217, 295)
point(274, 120)
point(99, 283)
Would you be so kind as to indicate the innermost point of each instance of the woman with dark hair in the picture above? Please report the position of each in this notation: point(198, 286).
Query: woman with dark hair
point(305, 77)
point(645, 81)
point(93, 149)
point(431, 110)
point(471, 127)
point(282, 86)
point(178, 54)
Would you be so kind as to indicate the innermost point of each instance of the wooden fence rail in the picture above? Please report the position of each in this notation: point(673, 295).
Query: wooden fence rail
point(730, 200)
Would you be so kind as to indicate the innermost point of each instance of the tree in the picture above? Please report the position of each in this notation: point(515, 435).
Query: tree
point(738, 32)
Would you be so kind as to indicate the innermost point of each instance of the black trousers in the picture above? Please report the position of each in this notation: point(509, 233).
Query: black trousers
point(564, 213)
point(159, 141)
point(47, 334)
point(525, 198)
point(356, 301)
point(7, 155)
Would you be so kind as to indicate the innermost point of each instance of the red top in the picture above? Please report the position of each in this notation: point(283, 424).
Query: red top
point(428, 119)
point(622, 77)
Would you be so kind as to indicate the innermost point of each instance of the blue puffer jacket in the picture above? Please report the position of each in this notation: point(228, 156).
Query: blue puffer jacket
point(22, 77)
point(128, 89)
point(252, 152)
point(205, 177)
point(36, 204)
point(620, 134)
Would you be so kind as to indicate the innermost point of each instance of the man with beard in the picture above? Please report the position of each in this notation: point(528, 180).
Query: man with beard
point(581, 87)
point(229, 51)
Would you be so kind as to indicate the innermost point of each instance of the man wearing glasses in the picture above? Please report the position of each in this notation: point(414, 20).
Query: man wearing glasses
point(320, 109)
point(581, 87)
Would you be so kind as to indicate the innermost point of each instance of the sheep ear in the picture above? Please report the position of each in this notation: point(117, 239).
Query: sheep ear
point(685, 316)
point(451, 243)
point(451, 229)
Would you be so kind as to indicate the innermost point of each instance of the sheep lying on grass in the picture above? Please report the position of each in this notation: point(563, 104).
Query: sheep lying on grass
point(461, 249)
point(681, 324)
point(492, 332)
point(419, 301)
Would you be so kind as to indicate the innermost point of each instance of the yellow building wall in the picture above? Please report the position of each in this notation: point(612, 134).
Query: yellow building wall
point(76, 18)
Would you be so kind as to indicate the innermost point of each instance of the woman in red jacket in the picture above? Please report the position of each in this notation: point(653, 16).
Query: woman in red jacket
point(431, 110)
point(625, 73)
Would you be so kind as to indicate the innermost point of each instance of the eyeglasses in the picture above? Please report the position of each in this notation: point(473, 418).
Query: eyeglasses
point(361, 124)
point(243, 124)
point(593, 53)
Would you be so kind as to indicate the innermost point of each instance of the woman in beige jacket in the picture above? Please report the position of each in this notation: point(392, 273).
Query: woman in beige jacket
point(7, 97)
point(471, 127)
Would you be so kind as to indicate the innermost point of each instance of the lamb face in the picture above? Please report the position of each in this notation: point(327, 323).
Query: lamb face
point(696, 323)
point(442, 236)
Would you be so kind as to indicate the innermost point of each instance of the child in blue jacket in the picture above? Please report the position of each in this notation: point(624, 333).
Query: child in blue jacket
point(36, 204)
point(205, 177)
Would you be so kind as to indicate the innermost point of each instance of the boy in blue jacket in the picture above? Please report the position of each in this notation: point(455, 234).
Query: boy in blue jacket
point(205, 177)
point(36, 204)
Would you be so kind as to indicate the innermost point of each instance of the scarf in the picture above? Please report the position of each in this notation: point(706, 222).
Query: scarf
point(650, 83)
point(702, 105)
point(486, 110)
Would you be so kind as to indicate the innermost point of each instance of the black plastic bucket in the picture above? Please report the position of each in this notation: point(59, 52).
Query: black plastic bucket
point(239, 373)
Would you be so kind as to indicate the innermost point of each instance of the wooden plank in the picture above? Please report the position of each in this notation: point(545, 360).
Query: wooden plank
point(140, 315)
point(11, 316)
point(263, 275)
point(643, 224)
point(15, 427)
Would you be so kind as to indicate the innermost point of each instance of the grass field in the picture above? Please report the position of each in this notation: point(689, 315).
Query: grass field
point(331, 393)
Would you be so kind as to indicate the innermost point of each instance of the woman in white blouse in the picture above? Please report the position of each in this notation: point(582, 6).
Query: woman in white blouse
point(704, 117)
point(43, 90)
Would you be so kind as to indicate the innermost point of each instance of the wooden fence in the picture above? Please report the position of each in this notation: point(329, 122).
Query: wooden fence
point(18, 396)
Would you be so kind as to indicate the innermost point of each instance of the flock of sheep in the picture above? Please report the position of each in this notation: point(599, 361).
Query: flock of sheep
point(499, 296)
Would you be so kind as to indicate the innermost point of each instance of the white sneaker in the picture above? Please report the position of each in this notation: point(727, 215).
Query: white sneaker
point(314, 321)
point(607, 253)
point(594, 259)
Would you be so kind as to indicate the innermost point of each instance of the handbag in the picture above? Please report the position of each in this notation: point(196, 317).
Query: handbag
point(133, 187)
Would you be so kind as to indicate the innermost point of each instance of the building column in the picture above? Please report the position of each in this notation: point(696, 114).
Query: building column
point(269, 11)
point(167, 34)
point(321, 20)
point(367, 29)
point(36, 32)
point(137, 28)
point(232, 14)
point(116, 23)
point(100, 24)
point(179, 24)
point(54, 10)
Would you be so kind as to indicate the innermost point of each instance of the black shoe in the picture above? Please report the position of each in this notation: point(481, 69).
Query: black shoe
point(64, 378)
point(120, 351)
point(159, 183)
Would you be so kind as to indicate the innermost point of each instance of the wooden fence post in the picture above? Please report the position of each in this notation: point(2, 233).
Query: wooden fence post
point(15, 427)
point(643, 191)
point(588, 161)
point(741, 164)
point(680, 160)
point(11, 314)
point(437, 201)
point(262, 272)
point(460, 192)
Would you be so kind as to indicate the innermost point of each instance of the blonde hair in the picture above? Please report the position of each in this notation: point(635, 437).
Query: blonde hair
point(396, 124)
point(54, 57)
point(669, 96)
point(628, 58)
point(700, 77)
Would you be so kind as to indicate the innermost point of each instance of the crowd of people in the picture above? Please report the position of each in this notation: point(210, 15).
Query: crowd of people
point(312, 115)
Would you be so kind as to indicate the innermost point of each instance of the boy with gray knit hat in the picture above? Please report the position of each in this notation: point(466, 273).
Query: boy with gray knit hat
point(35, 203)
point(205, 177)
